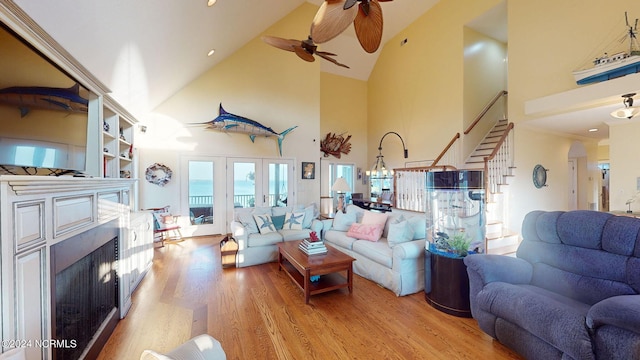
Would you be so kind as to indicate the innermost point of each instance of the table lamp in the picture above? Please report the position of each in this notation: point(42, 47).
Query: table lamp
point(341, 187)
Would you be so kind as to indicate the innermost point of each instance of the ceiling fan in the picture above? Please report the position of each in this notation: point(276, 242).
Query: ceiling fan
point(334, 16)
point(305, 49)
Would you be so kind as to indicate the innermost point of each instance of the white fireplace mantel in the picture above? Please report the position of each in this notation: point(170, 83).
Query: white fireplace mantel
point(37, 212)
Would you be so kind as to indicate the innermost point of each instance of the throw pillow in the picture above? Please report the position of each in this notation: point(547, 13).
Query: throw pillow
point(278, 221)
point(371, 217)
point(247, 220)
point(419, 225)
point(264, 223)
point(371, 232)
point(399, 233)
point(309, 215)
point(293, 221)
point(342, 221)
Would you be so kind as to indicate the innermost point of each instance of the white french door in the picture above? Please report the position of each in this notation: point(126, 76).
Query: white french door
point(204, 194)
point(257, 182)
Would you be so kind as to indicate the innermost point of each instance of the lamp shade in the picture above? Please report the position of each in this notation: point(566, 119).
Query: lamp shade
point(340, 185)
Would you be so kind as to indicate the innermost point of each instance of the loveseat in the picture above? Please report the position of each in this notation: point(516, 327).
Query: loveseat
point(388, 247)
point(572, 292)
point(258, 230)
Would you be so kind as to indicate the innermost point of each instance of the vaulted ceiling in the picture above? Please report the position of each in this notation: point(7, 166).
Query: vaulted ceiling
point(163, 44)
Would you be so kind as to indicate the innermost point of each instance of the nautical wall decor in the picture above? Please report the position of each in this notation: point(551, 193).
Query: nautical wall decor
point(158, 174)
point(621, 62)
point(335, 145)
point(228, 122)
point(50, 98)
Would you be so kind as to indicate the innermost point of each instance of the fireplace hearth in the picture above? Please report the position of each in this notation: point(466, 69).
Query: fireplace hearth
point(84, 286)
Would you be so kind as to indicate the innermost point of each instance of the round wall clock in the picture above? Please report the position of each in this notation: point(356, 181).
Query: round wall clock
point(539, 176)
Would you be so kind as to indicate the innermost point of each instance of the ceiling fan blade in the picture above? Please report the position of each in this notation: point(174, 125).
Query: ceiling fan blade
point(303, 54)
point(349, 3)
point(369, 27)
point(331, 20)
point(280, 43)
point(327, 56)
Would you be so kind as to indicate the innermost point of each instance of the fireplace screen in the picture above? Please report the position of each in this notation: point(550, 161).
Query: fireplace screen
point(86, 292)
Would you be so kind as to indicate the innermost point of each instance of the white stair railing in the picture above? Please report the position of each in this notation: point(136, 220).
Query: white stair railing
point(499, 163)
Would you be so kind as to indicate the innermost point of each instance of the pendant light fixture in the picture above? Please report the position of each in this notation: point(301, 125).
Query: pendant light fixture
point(628, 111)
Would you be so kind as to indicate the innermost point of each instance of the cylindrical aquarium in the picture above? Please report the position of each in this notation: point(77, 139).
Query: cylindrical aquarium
point(455, 229)
point(455, 212)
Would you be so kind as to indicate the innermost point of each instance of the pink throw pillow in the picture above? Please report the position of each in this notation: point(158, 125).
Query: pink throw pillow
point(371, 232)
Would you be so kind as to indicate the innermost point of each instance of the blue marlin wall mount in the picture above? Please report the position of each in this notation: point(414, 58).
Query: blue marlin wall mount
point(228, 122)
point(50, 98)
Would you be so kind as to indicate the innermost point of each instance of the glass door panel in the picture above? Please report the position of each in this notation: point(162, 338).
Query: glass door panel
point(201, 192)
point(278, 187)
point(244, 184)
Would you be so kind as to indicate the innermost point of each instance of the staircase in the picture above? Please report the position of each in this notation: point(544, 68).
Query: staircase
point(500, 240)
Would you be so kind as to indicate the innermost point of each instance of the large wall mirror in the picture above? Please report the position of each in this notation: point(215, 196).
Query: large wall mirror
point(43, 112)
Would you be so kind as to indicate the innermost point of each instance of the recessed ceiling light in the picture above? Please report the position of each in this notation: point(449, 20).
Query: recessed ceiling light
point(211, 2)
point(211, 52)
point(593, 130)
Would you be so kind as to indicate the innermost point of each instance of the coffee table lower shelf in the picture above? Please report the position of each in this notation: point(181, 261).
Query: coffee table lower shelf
point(327, 282)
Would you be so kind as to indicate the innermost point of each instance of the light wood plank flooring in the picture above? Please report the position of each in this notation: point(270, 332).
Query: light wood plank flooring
point(258, 313)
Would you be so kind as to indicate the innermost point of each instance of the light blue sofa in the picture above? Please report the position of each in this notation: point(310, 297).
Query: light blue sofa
point(255, 248)
point(571, 293)
point(394, 263)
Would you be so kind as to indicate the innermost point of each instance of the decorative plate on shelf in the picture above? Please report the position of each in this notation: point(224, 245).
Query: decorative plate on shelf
point(539, 176)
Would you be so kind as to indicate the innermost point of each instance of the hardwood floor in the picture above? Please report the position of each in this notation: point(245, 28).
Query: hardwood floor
point(258, 313)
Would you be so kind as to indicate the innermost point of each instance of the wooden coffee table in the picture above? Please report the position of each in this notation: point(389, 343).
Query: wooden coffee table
point(301, 267)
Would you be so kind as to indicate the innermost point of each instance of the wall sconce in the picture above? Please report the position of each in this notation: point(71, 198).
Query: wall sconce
point(628, 111)
point(341, 187)
point(379, 168)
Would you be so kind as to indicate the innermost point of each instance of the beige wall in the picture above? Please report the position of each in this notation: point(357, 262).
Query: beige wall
point(625, 165)
point(343, 110)
point(420, 87)
point(415, 90)
point(485, 75)
point(259, 82)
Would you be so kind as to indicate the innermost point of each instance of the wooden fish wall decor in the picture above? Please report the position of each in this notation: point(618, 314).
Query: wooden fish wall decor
point(335, 145)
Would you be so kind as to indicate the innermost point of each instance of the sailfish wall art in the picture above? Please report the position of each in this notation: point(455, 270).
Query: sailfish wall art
point(228, 122)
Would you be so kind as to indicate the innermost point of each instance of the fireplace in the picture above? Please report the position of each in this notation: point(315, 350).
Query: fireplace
point(84, 292)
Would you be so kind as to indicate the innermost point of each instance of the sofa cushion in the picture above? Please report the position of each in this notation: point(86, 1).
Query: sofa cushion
point(264, 223)
point(379, 251)
point(371, 232)
point(371, 217)
point(339, 238)
point(294, 234)
point(293, 221)
point(342, 221)
point(399, 233)
point(281, 210)
point(558, 320)
point(255, 240)
point(419, 225)
point(309, 215)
